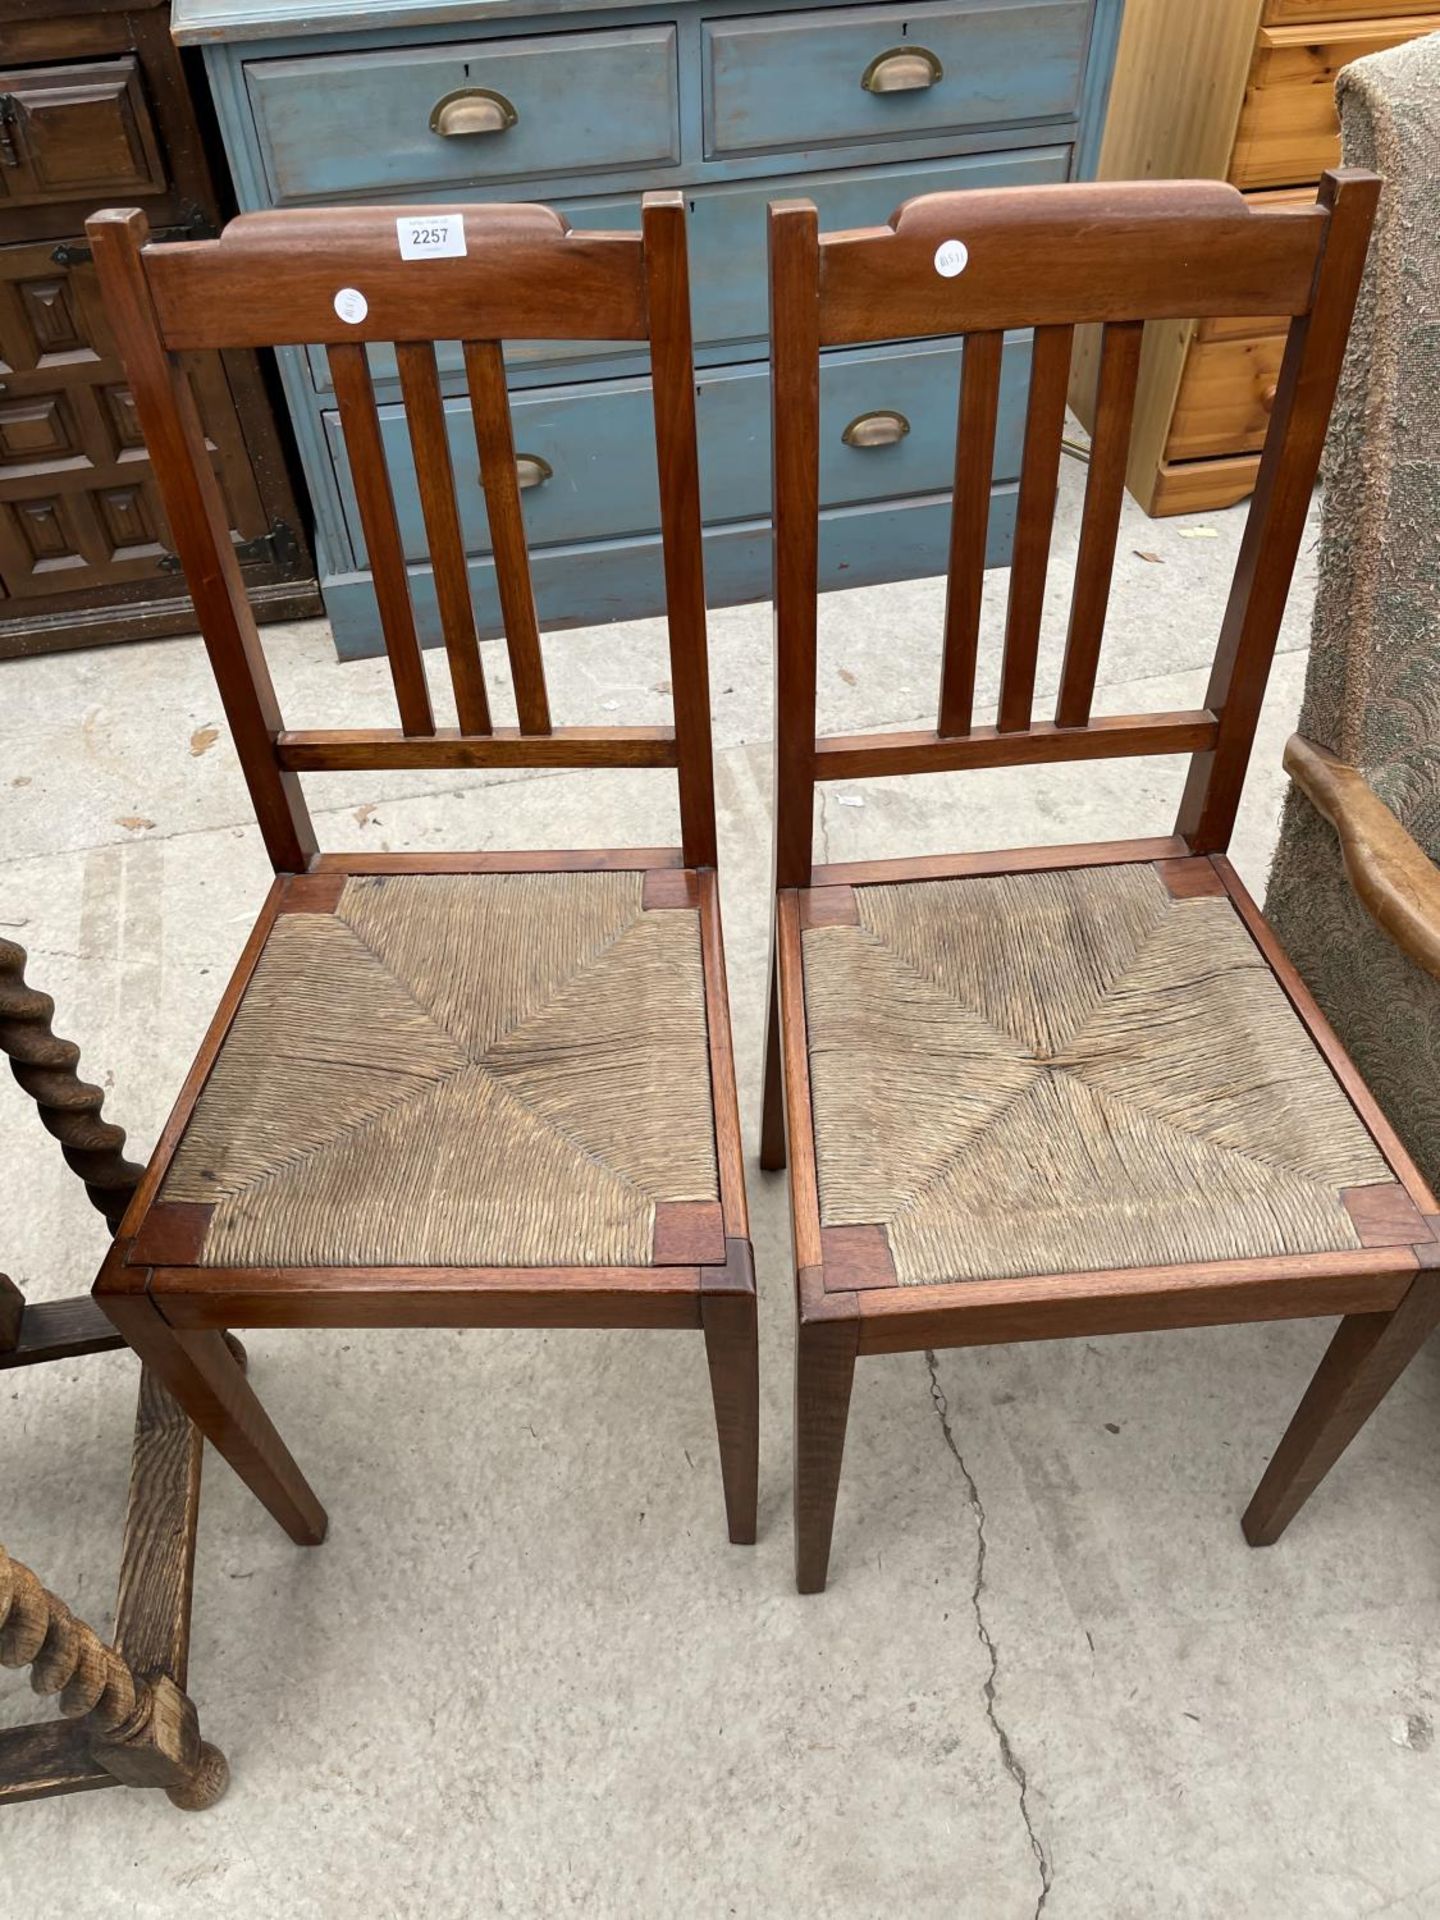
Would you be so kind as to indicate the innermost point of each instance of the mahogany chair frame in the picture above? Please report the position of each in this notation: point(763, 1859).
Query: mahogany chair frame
point(1050, 259)
point(271, 280)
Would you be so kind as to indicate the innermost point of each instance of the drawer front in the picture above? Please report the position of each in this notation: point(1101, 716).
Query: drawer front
point(1226, 393)
point(342, 124)
point(598, 443)
point(728, 290)
point(71, 131)
point(812, 79)
point(1299, 13)
point(1289, 130)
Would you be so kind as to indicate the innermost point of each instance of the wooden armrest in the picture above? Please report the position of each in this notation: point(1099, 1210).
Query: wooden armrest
point(1397, 883)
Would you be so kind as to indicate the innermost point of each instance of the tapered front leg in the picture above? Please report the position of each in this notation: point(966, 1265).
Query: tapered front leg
point(732, 1348)
point(202, 1375)
point(1364, 1360)
point(824, 1371)
point(772, 1118)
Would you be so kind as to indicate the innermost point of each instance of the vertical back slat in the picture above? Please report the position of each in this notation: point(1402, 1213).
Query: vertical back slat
point(969, 526)
point(672, 372)
point(425, 417)
point(490, 406)
point(794, 232)
point(1034, 521)
point(355, 395)
point(200, 523)
point(1309, 375)
point(1100, 522)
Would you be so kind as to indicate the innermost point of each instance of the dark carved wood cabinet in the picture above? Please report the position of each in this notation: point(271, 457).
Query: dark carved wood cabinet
point(95, 111)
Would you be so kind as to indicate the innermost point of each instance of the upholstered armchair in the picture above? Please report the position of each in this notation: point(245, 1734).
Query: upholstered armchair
point(1355, 889)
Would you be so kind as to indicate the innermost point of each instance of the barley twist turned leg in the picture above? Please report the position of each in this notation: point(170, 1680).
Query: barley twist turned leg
point(70, 1107)
point(145, 1731)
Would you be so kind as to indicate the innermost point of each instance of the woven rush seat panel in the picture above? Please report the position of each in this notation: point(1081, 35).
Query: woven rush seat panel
point(496, 1070)
point(1067, 1072)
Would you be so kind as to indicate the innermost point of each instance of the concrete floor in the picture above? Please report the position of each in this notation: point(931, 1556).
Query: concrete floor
point(525, 1675)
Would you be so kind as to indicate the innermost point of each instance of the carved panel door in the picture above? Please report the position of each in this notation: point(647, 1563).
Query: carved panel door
point(96, 110)
point(78, 506)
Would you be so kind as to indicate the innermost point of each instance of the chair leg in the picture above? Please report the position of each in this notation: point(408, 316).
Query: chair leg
point(202, 1375)
point(1364, 1360)
point(772, 1119)
point(824, 1370)
point(732, 1348)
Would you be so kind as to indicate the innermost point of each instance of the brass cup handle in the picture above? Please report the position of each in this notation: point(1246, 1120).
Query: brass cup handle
point(472, 110)
point(531, 470)
point(876, 430)
point(902, 70)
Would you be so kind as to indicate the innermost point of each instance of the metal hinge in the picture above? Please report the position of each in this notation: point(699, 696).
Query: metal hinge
point(192, 225)
point(277, 548)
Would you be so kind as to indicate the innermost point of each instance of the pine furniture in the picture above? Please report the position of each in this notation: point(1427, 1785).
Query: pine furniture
point(125, 1715)
point(1078, 1090)
point(95, 106)
point(1238, 90)
point(584, 106)
point(474, 1090)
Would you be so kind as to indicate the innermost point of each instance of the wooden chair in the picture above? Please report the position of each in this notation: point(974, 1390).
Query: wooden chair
point(119, 1725)
point(125, 1715)
point(440, 1090)
point(1069, 1090)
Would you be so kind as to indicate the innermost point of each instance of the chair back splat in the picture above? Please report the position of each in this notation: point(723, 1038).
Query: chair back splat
point(1051, 259)
point(338, 280)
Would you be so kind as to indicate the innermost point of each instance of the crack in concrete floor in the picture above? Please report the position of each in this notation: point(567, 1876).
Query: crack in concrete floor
point(1008, 1756)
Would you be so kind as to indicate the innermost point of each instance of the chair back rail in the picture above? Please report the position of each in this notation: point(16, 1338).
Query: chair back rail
point(494, 436)
point(976, 419)
point(360, 425)
point(435, 478)
point(1051, 259)
point(337, 279)
point(1120, 344)
point(1034, 517)
point(271, 280)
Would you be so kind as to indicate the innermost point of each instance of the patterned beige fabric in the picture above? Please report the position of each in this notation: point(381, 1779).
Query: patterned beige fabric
point(468, 1070)
point(1372, 694)
point(1064, 1072)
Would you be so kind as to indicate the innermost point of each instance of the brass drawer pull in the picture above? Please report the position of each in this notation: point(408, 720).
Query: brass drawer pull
point(531, 470)
point(472, 110)
point(876, 430)
point(902, 70)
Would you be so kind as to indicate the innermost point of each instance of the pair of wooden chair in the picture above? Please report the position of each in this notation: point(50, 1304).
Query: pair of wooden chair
point(1025, 1095)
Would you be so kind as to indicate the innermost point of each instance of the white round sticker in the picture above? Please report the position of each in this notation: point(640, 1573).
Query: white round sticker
point(951, 257)
point(352, 305)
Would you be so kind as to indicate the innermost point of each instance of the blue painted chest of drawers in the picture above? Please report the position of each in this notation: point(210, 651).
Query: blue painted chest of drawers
point(584, 106)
